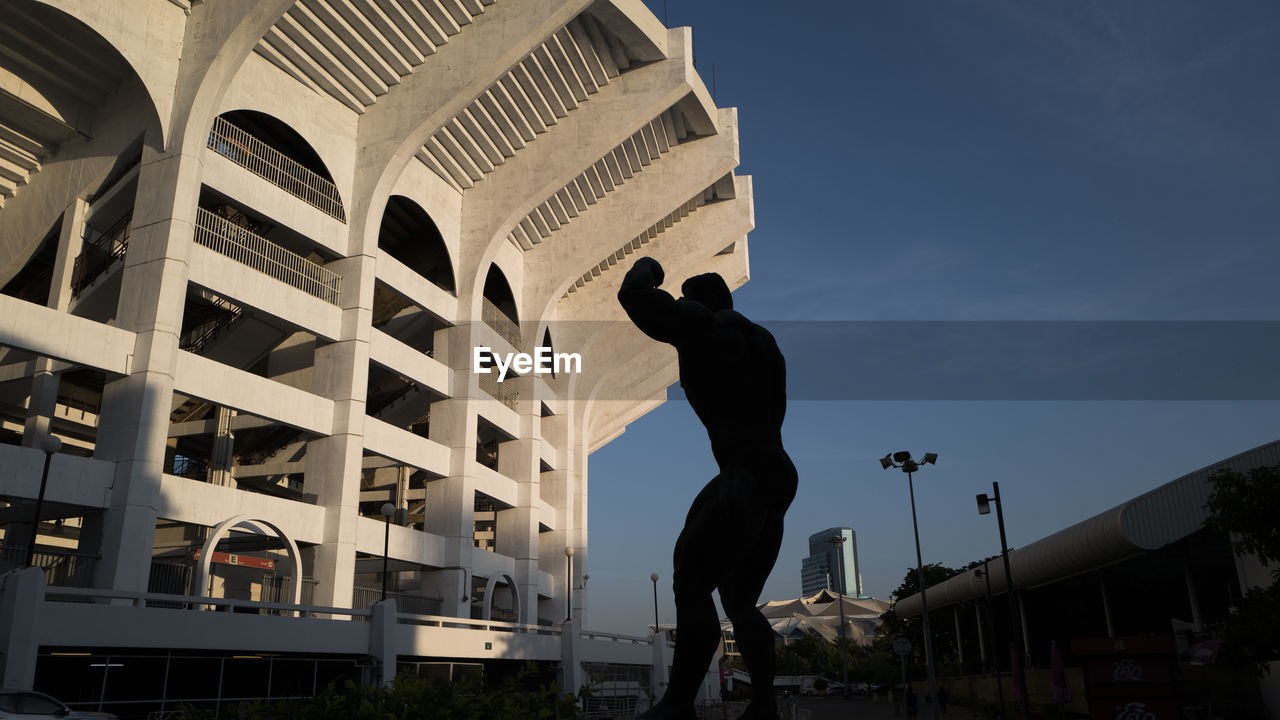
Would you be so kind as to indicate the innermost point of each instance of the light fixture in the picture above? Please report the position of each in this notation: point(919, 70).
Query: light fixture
point(984, 504)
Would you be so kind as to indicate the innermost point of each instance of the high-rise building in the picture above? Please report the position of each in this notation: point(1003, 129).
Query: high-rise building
point(256, 260)
point(822, 569)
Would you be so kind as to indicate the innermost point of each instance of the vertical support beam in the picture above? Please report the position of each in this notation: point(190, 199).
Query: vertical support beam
point(1026, 637)
point(334, 462)
point(134, 421)
point(982, 641)
point(1193, 598)
point(222, 454)
point(1106, 605)
point(21, 598)
point(955, 610)
point(44, 383)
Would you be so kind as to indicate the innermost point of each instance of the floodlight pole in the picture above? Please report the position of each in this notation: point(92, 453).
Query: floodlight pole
point(838, 541)
point(991, 634)
point(50, 445)
point(924, 604)
point(653, 577)
point(903, 461)
point(1014, 613)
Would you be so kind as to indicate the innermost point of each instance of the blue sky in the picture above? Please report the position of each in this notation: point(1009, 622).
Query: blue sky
point(977, 161)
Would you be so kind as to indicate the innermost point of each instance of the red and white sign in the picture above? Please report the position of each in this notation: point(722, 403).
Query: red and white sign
point(241, 560)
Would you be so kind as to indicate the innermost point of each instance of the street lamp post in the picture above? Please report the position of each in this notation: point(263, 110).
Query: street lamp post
point(654, 579)
point(902, 460)
point(387, 511)
point(50, 445)
point(838, 541)
point(568, 582)
point(984, 508)
point(991, 635)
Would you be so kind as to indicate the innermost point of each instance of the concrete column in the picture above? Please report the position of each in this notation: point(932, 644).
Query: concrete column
point(518, 526)
point(134, 421)
point(982, 641)
point(382, 642)
point(955, 610)
point(222, 454)
point(571, 677)
point(1026, 636)
point(21, 598)
point(1106, 605)
point(1193, 598)
point(45, 381)
point(450, 509)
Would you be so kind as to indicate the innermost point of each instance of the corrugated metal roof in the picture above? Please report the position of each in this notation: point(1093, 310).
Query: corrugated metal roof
point(1148, 522)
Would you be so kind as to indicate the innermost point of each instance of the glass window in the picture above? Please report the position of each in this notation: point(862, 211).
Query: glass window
point(8, 702)
point(33, 704)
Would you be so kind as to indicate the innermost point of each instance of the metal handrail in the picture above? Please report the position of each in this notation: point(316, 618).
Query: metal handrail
point(277, 168)
point(498, 320)
point(98, 256)
point(503, 392)
point(266, 257)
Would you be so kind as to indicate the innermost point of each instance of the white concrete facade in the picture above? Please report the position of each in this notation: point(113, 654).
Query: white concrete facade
point(274, 233)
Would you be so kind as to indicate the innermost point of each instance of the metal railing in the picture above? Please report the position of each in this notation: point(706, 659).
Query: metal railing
point(503, 392)
point(274, 166)
point(100, 254)
point(363, 597)
point(62, 568)
point(266, 257)
point(224, 313)
point(496, 319)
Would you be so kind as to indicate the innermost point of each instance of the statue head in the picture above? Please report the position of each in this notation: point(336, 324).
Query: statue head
point(709, 289)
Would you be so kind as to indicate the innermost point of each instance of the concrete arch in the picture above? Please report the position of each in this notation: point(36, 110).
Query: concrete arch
point(492, 585)
point(135, 44)
point(256, 525)
point(256, 122)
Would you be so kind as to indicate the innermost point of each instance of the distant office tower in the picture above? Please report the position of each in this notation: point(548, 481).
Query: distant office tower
point(822, 569)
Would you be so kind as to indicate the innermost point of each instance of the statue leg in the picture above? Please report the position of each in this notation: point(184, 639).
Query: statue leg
point(699, 557)
point(739, 595)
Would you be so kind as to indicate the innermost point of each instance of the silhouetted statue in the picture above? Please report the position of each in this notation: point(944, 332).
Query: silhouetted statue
point(734, 377)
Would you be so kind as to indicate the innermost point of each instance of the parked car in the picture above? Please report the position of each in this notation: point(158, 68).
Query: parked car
point(20, 705)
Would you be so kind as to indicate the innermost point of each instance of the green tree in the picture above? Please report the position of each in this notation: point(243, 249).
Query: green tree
point(1246, 507)
point(895, 626)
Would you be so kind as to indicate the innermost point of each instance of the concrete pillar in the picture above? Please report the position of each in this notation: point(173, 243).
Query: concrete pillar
point(1193, 598)
point(955, 611)
point(1026, 636)
point(21, 599)
point(1106, 605)
point(222, 454)
point(571, 677)
point(518, 526)
point(334, 462)
point(382, 642)
point(982, 640)
point(44, 382)
point(134, 421)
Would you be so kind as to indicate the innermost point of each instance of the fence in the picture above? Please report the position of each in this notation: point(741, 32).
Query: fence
point(274, 166)
point(363, 597)
point(266, 257)
point(498, 320)
point(62, 568)
point(100, 254)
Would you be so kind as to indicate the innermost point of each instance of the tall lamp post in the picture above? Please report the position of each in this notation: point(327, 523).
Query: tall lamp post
point(984, 508)
point(654, 579)
point(903, 461)
point(568, 582)
point(387, 511)
point(985, 572)
point(50, 445)
point(838, 541)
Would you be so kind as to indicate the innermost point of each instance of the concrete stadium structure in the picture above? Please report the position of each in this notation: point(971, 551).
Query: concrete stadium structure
point(249, 250)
